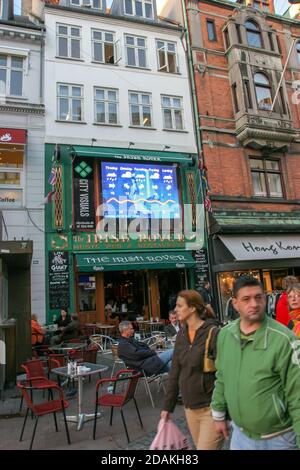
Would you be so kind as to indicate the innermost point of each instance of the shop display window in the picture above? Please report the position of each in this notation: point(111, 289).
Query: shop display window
point(86, 293)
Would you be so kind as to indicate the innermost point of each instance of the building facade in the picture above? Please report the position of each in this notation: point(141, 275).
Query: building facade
point(246, 67)
point(120, 144)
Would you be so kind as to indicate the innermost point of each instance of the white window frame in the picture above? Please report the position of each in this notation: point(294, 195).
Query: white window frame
point(140, 105)
point(136, 48)
point(106, 102)
point(8, 68)
point(164, 48)
point(103, 42)
point(69, 38)
point(173, 109)
point(86, 3)
point(1, 8)
point(70, 98)
point(143, 2)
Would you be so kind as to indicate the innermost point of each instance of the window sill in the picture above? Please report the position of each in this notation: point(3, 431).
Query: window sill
point(182, 131)
point(69, 58)
point(97, 62)
point(143, 127)
point(136, 67)
point(169, 73)
point(15, 98)
point(70, 122)
point(106, 124)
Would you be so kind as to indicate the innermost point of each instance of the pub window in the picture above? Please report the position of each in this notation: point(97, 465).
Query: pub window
point(235, 98)
point(266, 177)
point(263, 92)
point(253, 34)
point(248, 98)
point(211, 30)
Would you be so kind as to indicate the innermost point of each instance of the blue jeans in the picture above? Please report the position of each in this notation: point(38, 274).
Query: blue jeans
point(239, 441)
point(166, 359)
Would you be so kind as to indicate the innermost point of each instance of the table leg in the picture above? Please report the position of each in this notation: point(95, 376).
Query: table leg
point(81, 418)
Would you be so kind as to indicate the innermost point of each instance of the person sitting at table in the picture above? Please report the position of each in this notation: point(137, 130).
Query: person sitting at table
point(137, 355)
point(71, 331)
point(63, 320)
point(37, 331)
point(172, 329)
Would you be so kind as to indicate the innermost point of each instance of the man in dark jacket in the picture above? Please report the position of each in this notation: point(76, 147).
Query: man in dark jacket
point(172, 329)
point(71, 331)
point(138, 355)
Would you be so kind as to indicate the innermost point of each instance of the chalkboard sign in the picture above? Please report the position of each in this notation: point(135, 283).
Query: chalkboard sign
point(59, 279)
point(201, 269)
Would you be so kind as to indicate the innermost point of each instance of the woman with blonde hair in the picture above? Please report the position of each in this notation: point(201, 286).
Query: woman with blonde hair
point(193, 371)
point(293, 296)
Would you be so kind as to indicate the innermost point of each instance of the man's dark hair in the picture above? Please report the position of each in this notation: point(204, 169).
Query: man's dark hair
point(245, 281)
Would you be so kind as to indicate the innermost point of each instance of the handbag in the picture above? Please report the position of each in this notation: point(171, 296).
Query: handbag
point(169, 437)
point(208, 363)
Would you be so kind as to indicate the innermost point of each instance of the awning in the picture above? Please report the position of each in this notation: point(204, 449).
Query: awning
point(93, 262)
point(245, 247)
point(128, 154)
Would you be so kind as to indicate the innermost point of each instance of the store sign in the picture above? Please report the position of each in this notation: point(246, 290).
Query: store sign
point(201, 269)
point(84, 195)
point(262, 247)
point(11, 198)
point(12, 136)
point(59, 279)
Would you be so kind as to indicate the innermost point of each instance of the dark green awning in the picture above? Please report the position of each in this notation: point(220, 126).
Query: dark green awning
point(93, 262)
point(129, 154)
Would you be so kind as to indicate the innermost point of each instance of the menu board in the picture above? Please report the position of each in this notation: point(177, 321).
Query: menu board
point(201, 269)
point(59, 280)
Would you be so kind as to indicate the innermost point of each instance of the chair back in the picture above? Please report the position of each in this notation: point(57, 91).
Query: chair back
point(56, 360)
point(90, 354)
point(34, 368)
point(131, 386)
point(26, 397)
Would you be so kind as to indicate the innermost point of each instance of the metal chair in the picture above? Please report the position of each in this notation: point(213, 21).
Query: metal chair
point(118, 400)
point(148, 379)
point(102, 342)
point(116, 360)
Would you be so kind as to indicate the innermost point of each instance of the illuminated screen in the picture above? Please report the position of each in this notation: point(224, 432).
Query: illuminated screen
point(132, 190)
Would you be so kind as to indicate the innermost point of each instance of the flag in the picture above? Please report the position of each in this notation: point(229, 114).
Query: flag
point(52, 176)
point(207, 204)
point(50, 196)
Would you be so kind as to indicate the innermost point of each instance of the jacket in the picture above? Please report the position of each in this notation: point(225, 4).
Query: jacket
point(259, 384)
point(72, 330)
point(37, 333)
point(138, 355)
point(170, 330)
point(187, 374)
point(282, 310)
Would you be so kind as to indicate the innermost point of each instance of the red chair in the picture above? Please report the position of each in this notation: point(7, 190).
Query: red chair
point(44, 408)
point(118, 400)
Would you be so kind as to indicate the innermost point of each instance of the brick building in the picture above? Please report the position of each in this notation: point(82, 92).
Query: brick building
point(246, 62)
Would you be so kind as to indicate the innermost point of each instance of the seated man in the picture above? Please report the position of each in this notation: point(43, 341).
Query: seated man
point(37, 331)
point(138, 355)
point(71, 331)
point(172, 329)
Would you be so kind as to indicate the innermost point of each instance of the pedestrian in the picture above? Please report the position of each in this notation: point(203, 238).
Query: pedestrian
point(282, 307)
point(190, 373)
point(207, 297)
point(258, 376)
point(293, 296)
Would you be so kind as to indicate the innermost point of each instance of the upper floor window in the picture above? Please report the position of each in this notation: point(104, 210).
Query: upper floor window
point(103, 45)
point(69, 102)
point(298, 50)
point(172, 108)
point(266, 177)
point(261, 5)
point(106, 105)
point(211, 30)
point(263, 92)
point(141, 8)
point(11, 75)
point(253, 34)
point(68, 41)
point(167, 57)
point(97, 4)
point(136, 52)
point(140, 109)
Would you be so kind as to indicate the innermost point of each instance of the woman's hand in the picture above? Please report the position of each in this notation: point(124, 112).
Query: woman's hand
point(165, 415)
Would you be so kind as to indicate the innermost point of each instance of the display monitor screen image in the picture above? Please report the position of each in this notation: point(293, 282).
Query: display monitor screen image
point(133, 190)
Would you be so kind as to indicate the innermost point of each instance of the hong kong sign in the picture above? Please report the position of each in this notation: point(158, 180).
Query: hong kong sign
point(12, 136)
point(263, 247)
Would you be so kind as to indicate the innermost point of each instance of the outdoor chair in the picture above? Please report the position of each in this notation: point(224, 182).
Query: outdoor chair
point(118, 399)
point(116, 360)
point(102, 342)
point(148, 379)
point(44, 408)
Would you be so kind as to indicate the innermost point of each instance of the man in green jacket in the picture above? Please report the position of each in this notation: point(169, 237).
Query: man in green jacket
point(258, 376)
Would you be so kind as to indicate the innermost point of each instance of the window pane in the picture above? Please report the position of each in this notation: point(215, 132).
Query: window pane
point(112, 95)
point(254, 39)
point(145, 99)
point(162, 61)
point(98, 51)
point(130, 56)
point(109, 53)
point(63, 90)
point(146, 116)
point(97, 35)
point(211, 30)
point(135, 115)
point(100, 112)
point(100, 94)
point(259, 184)
point(16, 79)
point(63, 47)
point(274, 181)
point(160, 44)
point(63, 108)
point(3, 60)
point(142, 57)
point(178, 120)
point(166, 101)
point(2, 82)
point(148, 10)
point(264, 99)
point(109, 37)
point(17, 62)
point(63, 30)
point(128, 7)
point(75, 48)
point(130, 40)
point(138, 8)
point(134, 98)
point(172, 63)
point(176, 103)
point(87, 293)
point(76, 110)
point(76, 91)
point(112, 110)
point(10, 178)
point(261, 79)
point(257, 164)
point(75, 32)
point(167, 119)
point(141, 42)
point(272, 165)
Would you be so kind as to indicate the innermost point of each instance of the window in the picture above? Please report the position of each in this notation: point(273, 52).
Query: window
point(263, 92)
point(211, 30)
point(278, 45)
point(248, 99)
point(238, 33)
point(106, 106)
point(253, 34)
point(136, 53)
point(282, 100)
point(298, 51)
point(68, 41)
point(70, 102)
point(141, 8)
point(270, 35)
point(266, 177)
point(235, 98)
point(103, 46)
point(226, 38)
point(140, 109)
point(11, 175)
point(172, 108)
point(167, 57)
point(97, 4)
point(261, 5)
point(11, 75)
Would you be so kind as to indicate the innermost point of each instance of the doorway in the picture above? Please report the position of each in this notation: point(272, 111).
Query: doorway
point(170, 282)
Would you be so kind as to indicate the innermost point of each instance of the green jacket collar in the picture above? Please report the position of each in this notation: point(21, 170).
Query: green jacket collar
point(260, 337)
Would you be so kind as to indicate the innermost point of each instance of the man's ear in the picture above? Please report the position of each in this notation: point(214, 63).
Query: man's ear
point(234, 302)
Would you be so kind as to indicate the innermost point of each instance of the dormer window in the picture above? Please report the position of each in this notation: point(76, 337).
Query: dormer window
point(262, 5)
point(97, 4)
point(263, 92)
point(253, 34)
point(140, 8)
